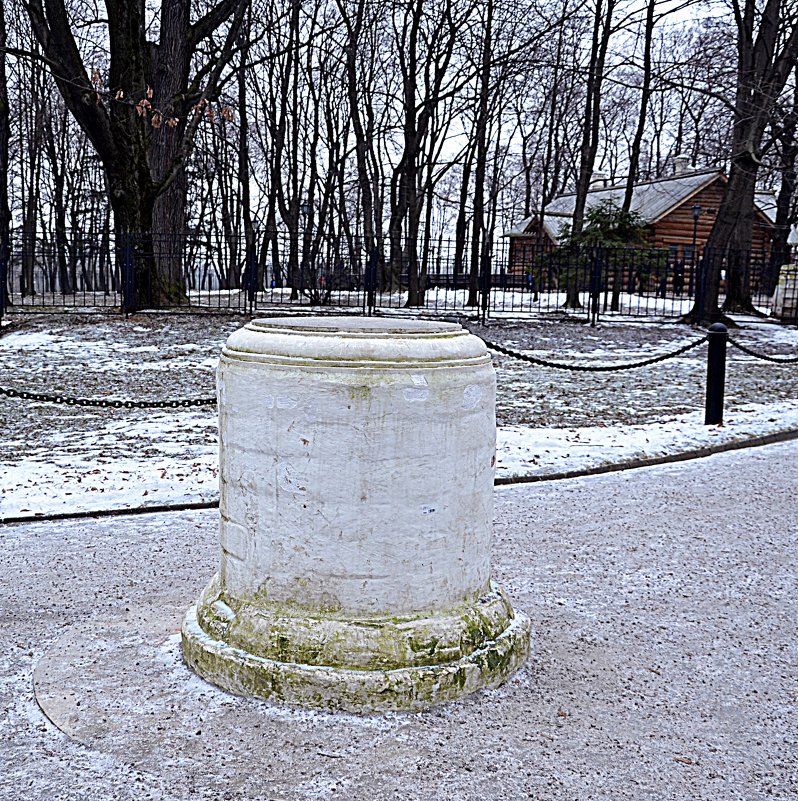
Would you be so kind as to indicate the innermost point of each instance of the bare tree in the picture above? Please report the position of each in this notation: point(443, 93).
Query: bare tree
point(645, 96)
point(603, 28)
point(360, 65)
point(32, 120)
point(5, 135)
point(425, 44)
point(787, 198)
point(148, 98)
point(767, 52)
point(479, 243)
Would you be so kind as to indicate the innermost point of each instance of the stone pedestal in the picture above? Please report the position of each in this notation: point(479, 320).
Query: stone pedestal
point(785, 298)
point(356, 467)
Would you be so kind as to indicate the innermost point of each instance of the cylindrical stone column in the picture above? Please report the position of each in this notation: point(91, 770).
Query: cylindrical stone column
point(356, 467)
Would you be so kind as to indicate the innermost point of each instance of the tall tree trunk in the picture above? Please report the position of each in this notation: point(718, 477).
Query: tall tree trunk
point(764, 63)
point(481, 136)
point(295, 202)
point(5, 132)
point(786, 201)
point(354, 30)
point(422, 53)
point(645, 95)
point(404, 180)
point(250, 244)
point(461, 226)
point(171, 62)
point(30, 200)
point(729, 243)
point(57, 170)
point(602, 30)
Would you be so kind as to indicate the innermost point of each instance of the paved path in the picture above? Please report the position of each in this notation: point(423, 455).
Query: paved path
point(665, 604)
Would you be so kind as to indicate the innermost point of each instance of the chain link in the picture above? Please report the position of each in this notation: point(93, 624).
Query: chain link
point(763, 356)
point(598, 368)
point(186, 403)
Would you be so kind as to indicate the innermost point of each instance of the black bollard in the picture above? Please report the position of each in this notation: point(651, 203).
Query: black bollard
point(717, 336)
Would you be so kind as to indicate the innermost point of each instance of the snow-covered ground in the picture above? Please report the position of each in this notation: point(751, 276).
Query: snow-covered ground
point(526, 452)
point(165, 457)
point(58, 459)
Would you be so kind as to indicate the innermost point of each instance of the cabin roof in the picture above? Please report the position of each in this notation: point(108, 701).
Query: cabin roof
point(652, 200)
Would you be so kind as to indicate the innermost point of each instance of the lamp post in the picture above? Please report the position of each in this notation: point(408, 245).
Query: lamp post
point(304, 209)
point(249, 281)
point(695, 210)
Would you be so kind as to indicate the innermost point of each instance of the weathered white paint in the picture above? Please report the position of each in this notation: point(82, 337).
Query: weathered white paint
point(356, 468)
point(331, 484)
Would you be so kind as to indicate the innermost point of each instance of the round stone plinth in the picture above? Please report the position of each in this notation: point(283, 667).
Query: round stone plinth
point(326, 686)
point(356, 469)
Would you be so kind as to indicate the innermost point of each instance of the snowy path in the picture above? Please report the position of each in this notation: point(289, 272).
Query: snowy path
point(665, 608)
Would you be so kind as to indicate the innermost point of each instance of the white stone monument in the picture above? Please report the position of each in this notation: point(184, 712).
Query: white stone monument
point(785, 298)
point(357, 459)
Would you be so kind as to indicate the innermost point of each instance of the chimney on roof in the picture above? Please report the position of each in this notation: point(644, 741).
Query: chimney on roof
point(681, 164)
point(598, 180)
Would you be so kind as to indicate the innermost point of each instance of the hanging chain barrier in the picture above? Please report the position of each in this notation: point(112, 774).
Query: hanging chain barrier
point(102, 403)
point(592, 368)
point(763, 356)
point(188, 403)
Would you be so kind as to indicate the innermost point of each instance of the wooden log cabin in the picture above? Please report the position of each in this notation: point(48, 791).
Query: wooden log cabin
point(675, 208)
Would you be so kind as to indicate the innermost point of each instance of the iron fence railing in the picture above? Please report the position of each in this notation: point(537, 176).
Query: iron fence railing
point(276, 270)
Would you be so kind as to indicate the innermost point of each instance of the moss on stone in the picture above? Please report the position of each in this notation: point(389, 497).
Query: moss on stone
point(333, 687)
point(288, 632)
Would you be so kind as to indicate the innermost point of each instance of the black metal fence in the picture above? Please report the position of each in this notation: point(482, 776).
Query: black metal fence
point(271, 271)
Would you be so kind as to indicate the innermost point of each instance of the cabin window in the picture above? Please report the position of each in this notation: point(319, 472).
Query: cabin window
point(679, 251)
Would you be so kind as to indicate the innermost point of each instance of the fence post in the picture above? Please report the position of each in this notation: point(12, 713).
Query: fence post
point(717, 336)
point(127, 269)
point(595, 284)
point(701, 282)
point(250, 273)
point(4, 256)
point(485, 284)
